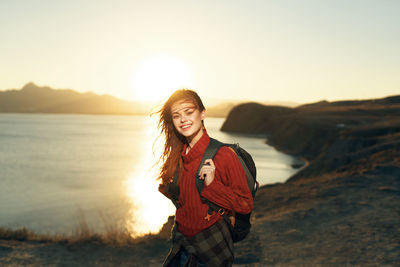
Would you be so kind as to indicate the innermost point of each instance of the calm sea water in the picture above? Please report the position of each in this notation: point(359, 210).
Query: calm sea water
point(58, 171)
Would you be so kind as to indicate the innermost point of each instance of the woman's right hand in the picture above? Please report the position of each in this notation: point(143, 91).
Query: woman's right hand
point(207, 172)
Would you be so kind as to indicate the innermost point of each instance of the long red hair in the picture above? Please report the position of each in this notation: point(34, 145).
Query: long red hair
point(174, 142)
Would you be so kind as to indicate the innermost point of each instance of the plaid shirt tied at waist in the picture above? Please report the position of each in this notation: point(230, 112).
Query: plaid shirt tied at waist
point(212, 246)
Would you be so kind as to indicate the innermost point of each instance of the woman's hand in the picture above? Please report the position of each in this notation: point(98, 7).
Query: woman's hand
point(207, 172)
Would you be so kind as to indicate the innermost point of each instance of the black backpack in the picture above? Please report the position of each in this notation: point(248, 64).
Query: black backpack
point(242, 221)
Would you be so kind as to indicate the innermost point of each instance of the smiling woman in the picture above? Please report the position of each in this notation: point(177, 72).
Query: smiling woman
point(158, 77)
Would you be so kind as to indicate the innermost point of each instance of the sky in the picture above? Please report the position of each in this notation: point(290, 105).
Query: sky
point(257, 50)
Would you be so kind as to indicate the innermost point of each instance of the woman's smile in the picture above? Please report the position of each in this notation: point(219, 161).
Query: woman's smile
point(188, 120)
point(186, 127)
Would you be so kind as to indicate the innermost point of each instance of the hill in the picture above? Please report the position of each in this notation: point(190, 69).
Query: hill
point(342, 207)
point(34, 99)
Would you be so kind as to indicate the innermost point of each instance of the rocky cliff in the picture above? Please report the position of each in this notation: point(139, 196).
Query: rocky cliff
point(343, 207)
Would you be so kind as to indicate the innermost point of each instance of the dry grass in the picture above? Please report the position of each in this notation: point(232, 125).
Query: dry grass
point(82, 234)
point(18, 234)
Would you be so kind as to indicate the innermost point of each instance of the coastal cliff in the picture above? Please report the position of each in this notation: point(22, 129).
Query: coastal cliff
point(342, 208)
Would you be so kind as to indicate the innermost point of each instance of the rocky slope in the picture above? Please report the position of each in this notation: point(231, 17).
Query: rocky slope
point(343, 208)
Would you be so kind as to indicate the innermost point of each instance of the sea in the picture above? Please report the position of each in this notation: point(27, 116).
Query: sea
point(61, 174)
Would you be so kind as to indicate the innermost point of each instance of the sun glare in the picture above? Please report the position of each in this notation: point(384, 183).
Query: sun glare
point(150, 209)
point(158, 77)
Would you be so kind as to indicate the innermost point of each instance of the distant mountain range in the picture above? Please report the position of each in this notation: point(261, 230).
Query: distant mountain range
point(35, 99)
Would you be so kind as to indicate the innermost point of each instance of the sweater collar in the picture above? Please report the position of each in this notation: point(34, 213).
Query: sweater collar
point(197, 150)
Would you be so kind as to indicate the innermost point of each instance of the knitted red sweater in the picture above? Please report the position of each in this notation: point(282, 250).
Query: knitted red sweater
point(228, 189)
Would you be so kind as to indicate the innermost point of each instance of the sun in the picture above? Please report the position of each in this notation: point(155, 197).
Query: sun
point(156, 78)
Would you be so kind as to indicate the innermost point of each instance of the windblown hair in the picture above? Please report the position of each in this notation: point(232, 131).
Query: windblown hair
point(174, 142)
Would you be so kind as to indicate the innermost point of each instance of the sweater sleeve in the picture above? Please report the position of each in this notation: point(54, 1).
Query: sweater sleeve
point(229, 188)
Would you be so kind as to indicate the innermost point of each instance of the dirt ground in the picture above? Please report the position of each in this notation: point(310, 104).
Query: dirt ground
point(341, 221)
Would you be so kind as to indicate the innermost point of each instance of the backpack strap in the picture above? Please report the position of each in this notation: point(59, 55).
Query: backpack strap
point(172, 189)
point(211, 150)
point(209, 153)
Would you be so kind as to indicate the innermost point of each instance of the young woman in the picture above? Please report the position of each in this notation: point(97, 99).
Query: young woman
point(198, 238)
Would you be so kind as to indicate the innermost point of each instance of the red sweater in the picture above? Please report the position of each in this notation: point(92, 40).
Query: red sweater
point(228, 189)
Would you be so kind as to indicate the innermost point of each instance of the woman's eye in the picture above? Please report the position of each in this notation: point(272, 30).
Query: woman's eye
point(175, 117)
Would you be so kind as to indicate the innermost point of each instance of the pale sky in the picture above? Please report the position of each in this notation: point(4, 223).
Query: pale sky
point(301, 51)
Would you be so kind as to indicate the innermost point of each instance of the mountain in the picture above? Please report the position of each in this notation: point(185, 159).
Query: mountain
point(34, 99)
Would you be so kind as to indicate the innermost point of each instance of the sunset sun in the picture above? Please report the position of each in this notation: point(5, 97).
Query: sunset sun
point(156, 78)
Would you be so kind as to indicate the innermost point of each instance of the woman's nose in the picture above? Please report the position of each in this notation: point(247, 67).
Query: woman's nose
point(183, 118)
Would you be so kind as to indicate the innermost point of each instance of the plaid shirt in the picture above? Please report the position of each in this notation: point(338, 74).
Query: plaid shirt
point(212, 246)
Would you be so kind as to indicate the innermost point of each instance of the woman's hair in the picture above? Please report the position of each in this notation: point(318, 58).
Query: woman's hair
point(174, 141)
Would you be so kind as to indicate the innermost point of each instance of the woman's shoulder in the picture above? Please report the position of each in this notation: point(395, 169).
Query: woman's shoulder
point(225, 153)
point(226, 161)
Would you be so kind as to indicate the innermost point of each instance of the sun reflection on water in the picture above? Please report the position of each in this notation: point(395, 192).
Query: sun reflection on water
point(149, 208)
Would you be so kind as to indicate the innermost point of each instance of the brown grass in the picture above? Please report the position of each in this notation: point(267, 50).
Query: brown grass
point(82, 234)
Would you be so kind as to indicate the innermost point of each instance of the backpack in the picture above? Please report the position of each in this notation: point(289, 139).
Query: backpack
point(242, 224)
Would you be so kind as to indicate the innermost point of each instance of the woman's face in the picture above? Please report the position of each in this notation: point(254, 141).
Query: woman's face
point(187, 119)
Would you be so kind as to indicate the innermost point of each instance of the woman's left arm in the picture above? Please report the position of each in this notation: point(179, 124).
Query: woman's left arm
point(229, 188)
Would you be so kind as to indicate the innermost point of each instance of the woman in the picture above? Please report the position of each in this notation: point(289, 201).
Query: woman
point(199, 238)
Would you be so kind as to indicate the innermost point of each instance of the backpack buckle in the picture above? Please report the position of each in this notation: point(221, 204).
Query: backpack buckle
point(221, 211)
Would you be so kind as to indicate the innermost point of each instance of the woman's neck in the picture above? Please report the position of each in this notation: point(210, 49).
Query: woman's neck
point(191, 141)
